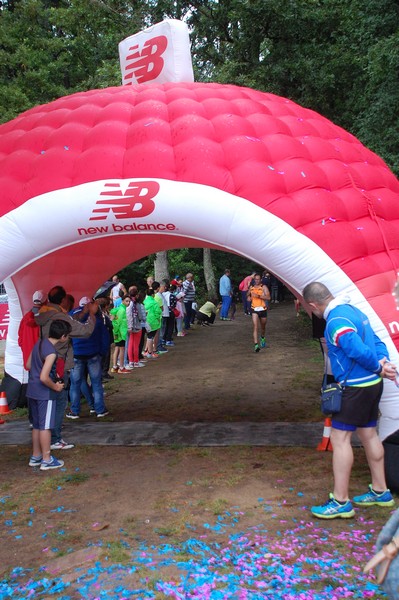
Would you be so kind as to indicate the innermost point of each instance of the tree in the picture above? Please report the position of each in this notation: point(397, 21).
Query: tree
point(209, 275)
point(161, 266)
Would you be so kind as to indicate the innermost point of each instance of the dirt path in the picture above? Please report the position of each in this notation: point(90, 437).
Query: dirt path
point(213, 374)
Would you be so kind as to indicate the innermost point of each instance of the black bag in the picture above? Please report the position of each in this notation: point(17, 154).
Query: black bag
point(172, 301)
point(331, 398)
point(331, 393)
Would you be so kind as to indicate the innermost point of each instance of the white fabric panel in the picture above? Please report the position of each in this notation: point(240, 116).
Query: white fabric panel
point(13, 361)
point(159, 54)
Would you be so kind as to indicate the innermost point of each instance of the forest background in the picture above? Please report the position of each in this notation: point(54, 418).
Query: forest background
point(336, 57)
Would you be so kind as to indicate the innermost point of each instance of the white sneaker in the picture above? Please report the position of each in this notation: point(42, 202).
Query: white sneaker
point(62, 445)
point(139, 364)
point(130, 366)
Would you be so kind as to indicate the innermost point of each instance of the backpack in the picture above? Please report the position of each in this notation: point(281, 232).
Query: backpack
point(172, 301)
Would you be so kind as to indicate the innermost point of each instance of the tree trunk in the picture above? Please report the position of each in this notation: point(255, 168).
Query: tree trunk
point(161, 266)
point(209, 275)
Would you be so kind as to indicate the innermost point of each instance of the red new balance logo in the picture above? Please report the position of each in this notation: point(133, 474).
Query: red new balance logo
point(4, 321)
point(147, 64)
point(135, 201)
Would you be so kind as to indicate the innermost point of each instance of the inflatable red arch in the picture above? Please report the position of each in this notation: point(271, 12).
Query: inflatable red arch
point(95, 180)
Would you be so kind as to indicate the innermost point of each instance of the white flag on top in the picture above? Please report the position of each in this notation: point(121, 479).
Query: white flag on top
point(158, 54)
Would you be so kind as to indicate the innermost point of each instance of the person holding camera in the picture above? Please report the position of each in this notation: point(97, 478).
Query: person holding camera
point(43, 385)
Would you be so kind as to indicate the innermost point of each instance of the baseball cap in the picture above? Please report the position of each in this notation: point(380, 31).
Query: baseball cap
point(85, 300)
point(39, 297)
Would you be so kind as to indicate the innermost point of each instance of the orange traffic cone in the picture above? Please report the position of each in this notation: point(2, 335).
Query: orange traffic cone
point(325, 443)
point(4, 410)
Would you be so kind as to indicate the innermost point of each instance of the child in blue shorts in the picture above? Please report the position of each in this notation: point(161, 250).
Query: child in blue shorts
point(42, 382)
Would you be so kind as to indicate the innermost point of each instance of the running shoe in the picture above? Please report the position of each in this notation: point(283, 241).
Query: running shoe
point(35, 461)
point(123, 371)
point(170, 343)
point(139, 364)
point(333, 509)
point(262, 342)
point(372, 498)
point(103, 414)
point(71, 415)
point(256, 349)
point(53, 463)
point(114, 370)
point(62, 445)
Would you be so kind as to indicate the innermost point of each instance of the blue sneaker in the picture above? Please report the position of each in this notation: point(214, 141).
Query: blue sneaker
point(35, 461)
point(170, 343)
point(262, 342)
point(53, 463)
point(333, 510)
point(371, 498)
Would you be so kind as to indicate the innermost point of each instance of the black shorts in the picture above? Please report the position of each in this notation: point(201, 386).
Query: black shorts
point(262, 314)
point(120, 344)
point(359, 406)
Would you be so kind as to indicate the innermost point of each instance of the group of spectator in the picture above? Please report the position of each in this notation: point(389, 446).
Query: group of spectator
point(64, 344)
point(113, 335)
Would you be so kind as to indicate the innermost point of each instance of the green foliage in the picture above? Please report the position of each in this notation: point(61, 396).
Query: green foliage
point(337, 57)
point(187, 260)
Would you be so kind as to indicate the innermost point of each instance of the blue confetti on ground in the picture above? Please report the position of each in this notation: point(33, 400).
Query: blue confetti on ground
point(306, 562)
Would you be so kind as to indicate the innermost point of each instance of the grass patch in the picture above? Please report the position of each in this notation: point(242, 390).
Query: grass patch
point(8, 504)
point(116, 553)
point(74, 478)
point(52, 483)
point(219, 506)
point(17, 413)
point(168, 531)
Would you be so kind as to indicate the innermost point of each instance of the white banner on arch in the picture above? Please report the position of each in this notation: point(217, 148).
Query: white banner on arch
point(159, 54)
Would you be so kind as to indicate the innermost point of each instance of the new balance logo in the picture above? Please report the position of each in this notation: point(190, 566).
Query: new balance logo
point(146, 65)
point(4, 321)
point(135, 201)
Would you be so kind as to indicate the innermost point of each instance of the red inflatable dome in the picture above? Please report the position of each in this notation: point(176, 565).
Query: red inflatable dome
point(96, 180)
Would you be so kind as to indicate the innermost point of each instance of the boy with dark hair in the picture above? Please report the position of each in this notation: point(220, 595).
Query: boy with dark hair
point(42, 385)
point(56, 310)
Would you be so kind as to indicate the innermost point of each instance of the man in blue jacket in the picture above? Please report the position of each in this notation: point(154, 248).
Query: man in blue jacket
point(88, 353)
point(360, 360)
point(225, 290)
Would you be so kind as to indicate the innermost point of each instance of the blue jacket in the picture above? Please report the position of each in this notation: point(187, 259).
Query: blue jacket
point(349, 338)
point(97, 343)
point(224, 285)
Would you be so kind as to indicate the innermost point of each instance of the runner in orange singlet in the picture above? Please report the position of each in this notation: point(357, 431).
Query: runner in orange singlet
point(258, 295)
